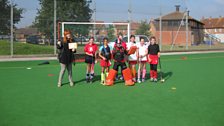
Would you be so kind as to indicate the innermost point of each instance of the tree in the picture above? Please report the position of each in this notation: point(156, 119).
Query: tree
point(143, 29)
point(67, 10)
point(5, 22)
point(110, 32)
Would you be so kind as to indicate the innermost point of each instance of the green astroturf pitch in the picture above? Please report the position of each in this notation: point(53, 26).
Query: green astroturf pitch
point(192, 95)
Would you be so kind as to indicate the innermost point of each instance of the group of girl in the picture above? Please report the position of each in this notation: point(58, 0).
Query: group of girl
point(121, 53)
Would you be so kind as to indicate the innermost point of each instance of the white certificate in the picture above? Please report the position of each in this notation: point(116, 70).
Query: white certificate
point(72, 45)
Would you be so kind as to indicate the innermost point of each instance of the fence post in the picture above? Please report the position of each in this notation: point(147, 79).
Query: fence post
point(55, 25)
point(187, 14)
point(160, 29)
point(11, 38)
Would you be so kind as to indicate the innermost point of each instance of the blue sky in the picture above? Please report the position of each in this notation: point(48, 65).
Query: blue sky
point(116, 10)
point(30, 7)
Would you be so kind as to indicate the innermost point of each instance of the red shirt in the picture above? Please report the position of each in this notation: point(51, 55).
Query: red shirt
point(124, 45)
point(91, 49)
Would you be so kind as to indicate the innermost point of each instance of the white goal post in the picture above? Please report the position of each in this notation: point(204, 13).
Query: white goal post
point(94, 23)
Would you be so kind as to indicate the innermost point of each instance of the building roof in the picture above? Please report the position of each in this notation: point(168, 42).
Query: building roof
point(27, 31)
point(213, 22)
point(177, 15)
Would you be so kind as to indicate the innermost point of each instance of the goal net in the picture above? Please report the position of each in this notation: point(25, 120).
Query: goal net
point(81, 31)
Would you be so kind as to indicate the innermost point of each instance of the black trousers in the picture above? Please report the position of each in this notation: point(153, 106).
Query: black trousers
point(119, 64)
point(153, 67)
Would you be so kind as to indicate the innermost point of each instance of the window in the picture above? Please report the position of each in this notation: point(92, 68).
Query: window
point(176, 23)
point(170, 23)
point(210, 30)
point(164, 24)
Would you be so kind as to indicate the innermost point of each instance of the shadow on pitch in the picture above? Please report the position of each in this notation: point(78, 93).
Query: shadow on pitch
point(96, 79)
point(167, 75)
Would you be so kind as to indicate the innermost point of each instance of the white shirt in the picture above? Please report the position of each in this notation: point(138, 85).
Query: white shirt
point(142, 51)
point(132, 57)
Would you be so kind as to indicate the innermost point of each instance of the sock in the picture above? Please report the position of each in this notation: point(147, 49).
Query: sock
point(133, 73)
point(87, 76)
point(139, 73)
point(91, 76)
point(107, 74)
point(155, 74)
point(102, 76)
point(151, 73)
point(143, 73)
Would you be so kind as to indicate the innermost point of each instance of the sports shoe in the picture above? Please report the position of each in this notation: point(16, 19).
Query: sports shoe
point(121, 78)
point(155, 80)
point(139, 81)
point(90, 81)
point(71, 84)
point(59, 84)
point(117, 78)
point(133, 79)
point(143, 80)
point(102, 82)
point(151, 79)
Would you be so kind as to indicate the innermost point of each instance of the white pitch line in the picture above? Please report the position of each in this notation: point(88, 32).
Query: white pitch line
point(7, 58)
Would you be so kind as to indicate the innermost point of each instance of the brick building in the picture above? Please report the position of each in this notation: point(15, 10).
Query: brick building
point(174, 29)
point(214, 27)
point(100, 29)
point(123, 28)
point(22, 33)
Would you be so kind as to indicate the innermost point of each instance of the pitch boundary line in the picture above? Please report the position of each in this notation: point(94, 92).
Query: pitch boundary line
point(194, 58)
point(8, 59)
point(25, 67)
point(198, 58)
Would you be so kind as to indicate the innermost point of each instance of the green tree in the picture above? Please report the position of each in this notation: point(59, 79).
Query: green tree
point(143, 29)
point(110, 32)
point(67, 10)
point(5, 22)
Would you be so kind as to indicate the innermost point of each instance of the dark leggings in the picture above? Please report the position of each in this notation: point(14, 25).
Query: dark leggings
point(122, 65)
point(153, 67)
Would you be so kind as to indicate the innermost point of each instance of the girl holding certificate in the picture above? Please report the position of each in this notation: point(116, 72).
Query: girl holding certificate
point(65, 57)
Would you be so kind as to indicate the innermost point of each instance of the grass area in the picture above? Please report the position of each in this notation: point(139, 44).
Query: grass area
point(32, 49)
point(28, 49)
point(31, 96)
point(24, 48)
